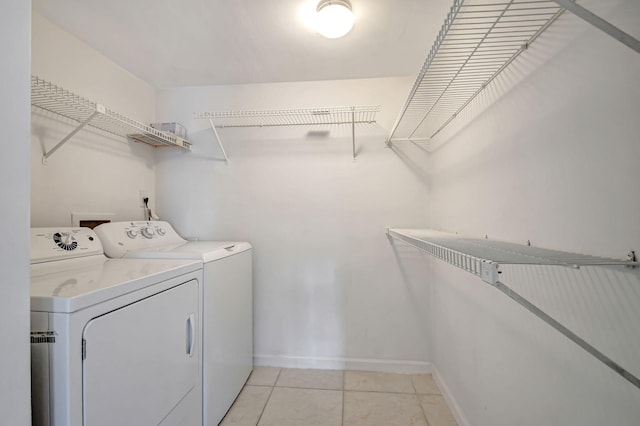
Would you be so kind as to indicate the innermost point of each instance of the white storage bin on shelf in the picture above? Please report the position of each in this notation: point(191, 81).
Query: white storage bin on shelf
point(174, 128)
point(55, 99)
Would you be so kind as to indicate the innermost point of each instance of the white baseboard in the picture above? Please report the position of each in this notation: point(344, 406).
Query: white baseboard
point(338, 363)
point(457, 413)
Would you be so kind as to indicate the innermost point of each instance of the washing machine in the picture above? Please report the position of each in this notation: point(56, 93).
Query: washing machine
point(113, 341)
point(227, 301)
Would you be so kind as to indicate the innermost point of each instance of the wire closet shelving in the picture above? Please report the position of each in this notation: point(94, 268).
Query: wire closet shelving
point(483, 257)
point(339, 115)
point(55, 99)
point(477, 41)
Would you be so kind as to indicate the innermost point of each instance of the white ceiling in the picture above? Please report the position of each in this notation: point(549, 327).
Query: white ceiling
point(170, 43)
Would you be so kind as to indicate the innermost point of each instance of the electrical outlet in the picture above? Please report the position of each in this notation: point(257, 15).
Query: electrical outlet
point(143, 194)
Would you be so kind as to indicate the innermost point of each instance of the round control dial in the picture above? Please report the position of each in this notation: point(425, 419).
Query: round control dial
point(161, 231)
point(65, 241)
point(132, 233)
point(147, 232)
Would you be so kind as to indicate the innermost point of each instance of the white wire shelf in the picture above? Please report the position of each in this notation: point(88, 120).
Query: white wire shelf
point(483, 257)
point(351, 115)
point(478, 40)
point(55, 99)
point(293, 117)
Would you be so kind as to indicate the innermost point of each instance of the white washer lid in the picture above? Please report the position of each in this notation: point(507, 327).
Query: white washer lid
point(71, 285)
point(207, 251)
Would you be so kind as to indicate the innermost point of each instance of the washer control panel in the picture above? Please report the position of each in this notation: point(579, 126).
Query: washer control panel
point(119, 238)
point(147, 230)
point(63, 243)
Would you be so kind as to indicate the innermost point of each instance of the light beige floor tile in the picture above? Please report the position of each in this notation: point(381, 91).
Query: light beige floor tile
point(311, 379)
point(377, 382)
point(436, 410)
point(424, 383)
point(247, 408)
point(263, 376)
point(308, 407)
point(382, 409)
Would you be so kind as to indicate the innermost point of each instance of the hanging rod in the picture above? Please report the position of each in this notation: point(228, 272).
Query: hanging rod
point(291, 117)
point(55, 99)
point(482, 257)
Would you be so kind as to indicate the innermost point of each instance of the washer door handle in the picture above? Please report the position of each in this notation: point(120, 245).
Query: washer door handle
point(191, 334)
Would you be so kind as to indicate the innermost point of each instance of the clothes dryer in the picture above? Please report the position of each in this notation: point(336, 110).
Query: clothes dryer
point(227, 301)
point(113, 341)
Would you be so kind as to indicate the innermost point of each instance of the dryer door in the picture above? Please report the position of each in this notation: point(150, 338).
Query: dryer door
point(142, 359)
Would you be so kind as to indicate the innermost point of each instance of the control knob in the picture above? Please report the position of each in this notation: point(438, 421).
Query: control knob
point(132, 233)
point(161, 231)
point(65, 241)
point(147, 232)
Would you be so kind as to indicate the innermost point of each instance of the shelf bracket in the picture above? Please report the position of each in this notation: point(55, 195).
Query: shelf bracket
point(215, 134)
point(549, 320)
point(489, 272)
point(353, 132)
point(100, 109)
point(600, 23)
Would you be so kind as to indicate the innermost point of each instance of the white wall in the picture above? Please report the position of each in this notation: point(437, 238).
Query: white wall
point(93, 172)
point(14, 227)
point(549, 154)
point(328, 290)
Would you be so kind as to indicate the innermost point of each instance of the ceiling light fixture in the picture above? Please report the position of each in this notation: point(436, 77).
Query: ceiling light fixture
point(334, 18)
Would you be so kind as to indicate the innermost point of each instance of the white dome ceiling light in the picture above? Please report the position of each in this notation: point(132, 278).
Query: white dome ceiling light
point(334, 18)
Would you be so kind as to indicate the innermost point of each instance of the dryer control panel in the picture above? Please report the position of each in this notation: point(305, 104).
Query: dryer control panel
point(49, 244)
point(120, 237)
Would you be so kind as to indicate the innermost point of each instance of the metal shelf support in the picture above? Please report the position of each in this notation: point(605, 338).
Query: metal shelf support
point(600, 23)
point(99, 109)
point(483, 258)
point(353, 132)
point(215, 134)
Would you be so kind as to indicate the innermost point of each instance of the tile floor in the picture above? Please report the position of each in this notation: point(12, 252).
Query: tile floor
point(296, 397)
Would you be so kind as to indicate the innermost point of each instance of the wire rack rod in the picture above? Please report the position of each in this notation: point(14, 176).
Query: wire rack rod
point(55, 99)
point(292, 117)
point(478, 40)
point(483, 257)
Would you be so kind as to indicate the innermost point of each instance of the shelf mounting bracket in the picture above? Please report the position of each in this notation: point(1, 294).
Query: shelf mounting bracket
point(100, 109)
point(549, 320)
point(353, 132)
point(600, 23)
point(215, 134)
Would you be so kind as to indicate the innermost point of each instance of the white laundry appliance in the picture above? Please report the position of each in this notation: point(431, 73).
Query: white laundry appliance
point(227, 301)
point(113, 341)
